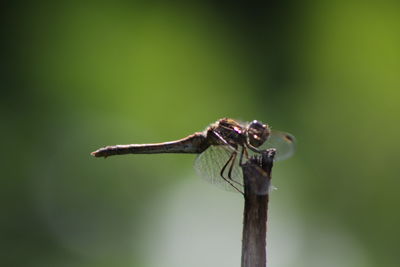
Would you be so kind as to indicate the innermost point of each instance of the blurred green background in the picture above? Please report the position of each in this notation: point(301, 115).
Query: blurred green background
point(78, 76)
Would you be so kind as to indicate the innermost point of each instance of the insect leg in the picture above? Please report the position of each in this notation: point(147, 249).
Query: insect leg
point(233, 156)
point(226, 164)
point(232, 165)
point(245, 153)
point(229, 181)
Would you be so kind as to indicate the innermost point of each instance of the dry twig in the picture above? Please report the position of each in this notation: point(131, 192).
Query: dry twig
point(257, 176)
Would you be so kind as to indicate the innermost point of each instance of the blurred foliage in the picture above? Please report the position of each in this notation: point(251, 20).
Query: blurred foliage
point(77, 76)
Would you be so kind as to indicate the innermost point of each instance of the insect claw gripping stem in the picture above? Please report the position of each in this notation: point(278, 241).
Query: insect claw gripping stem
point(230, 181)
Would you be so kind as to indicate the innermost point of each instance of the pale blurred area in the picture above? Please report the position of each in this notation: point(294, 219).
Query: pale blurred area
point(78, 76)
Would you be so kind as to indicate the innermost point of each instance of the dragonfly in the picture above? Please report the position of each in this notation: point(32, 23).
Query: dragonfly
point(221, 149)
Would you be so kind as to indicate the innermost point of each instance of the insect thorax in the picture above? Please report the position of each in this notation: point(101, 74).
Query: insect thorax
point(228, 130)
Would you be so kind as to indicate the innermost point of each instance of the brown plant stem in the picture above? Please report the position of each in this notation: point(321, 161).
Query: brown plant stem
point(256, 176)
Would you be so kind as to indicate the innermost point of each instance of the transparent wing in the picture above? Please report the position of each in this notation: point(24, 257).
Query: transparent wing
point(209, 164)
point(284, 143)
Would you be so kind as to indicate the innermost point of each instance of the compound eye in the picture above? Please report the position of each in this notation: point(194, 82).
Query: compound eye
point(258, 133)
point(256, 125)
